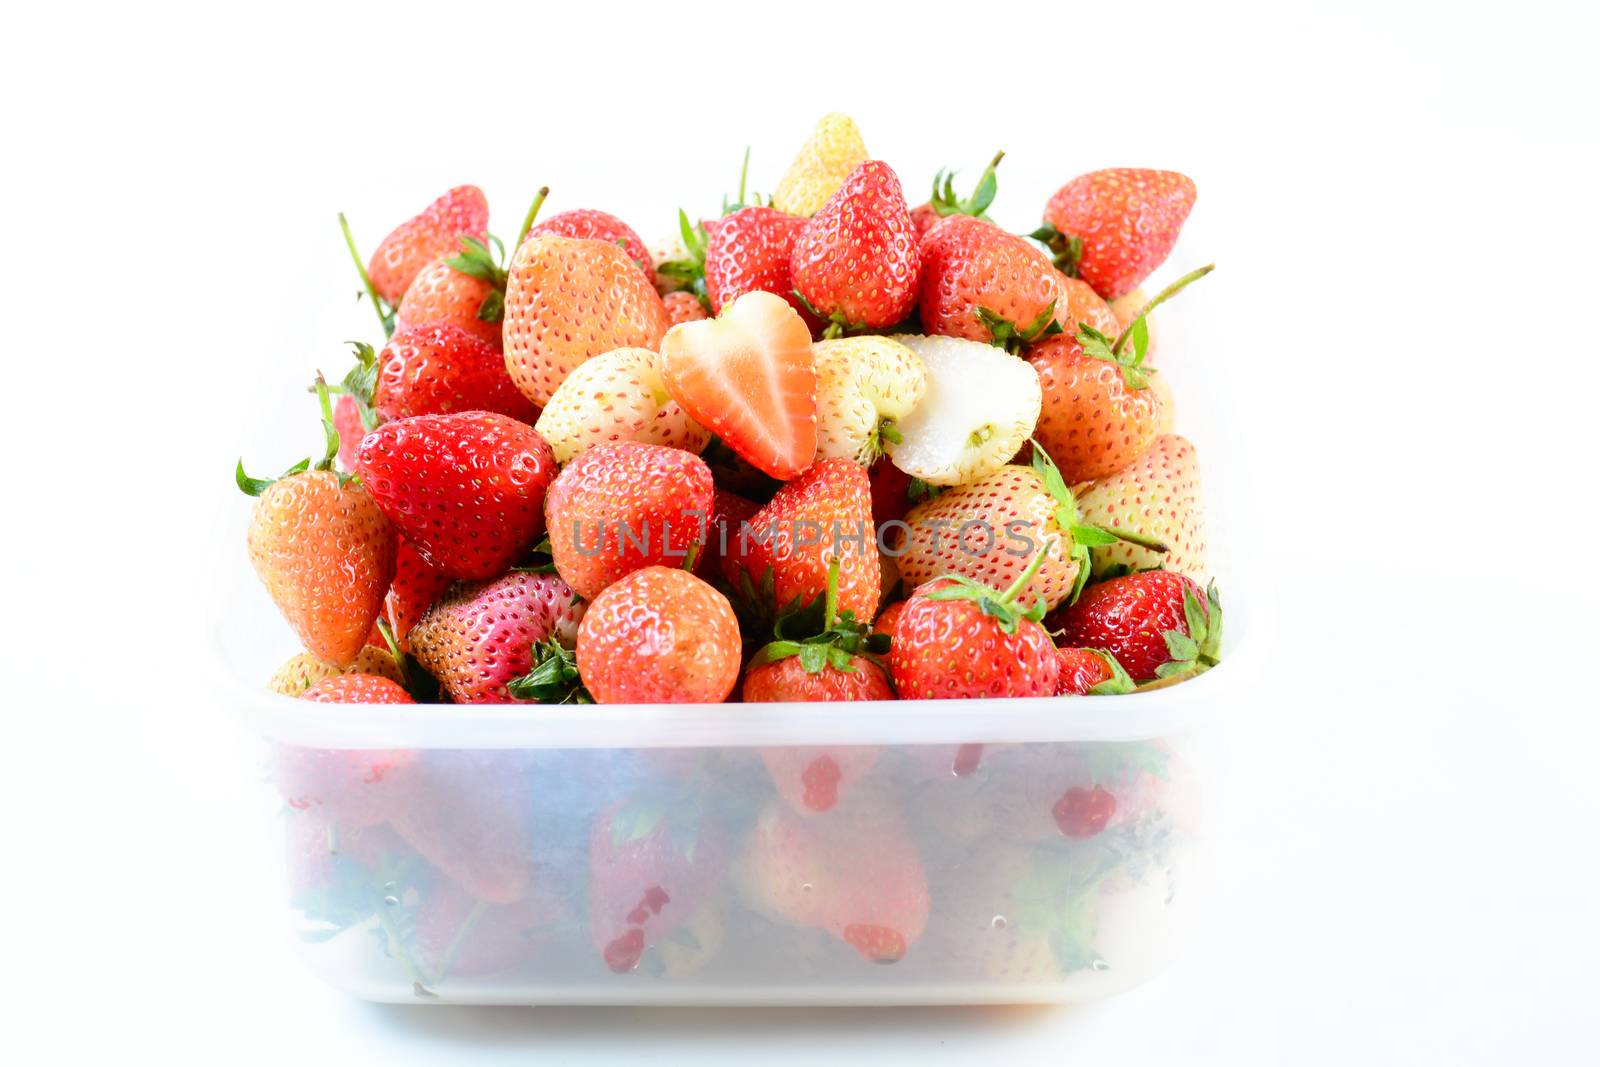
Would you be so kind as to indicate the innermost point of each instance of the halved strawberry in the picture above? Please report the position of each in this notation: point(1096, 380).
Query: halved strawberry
point(749, 377)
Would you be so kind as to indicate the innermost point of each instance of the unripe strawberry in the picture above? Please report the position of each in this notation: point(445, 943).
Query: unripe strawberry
point(617, 396)
point(833, 150)
point(864, 384)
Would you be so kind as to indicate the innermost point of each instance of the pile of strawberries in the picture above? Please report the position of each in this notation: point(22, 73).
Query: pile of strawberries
point(828, 447)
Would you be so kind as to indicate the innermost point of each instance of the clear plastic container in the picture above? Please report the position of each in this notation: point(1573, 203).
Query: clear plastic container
point(977, 851)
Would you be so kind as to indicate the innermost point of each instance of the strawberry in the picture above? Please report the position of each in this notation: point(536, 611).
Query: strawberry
point(466, 812)
point(655, 860)
point(659, 636)
point(1099, 412)
point(459, 935)
point(467, 490)
point(1089, 670)
point(616, 396)
point(749, 252)
point(748, 377)
point(599, 226)
point(1157, 495)
point(347, 421)
point(945, 202)
point(483, 637)
point(985, 284)
point(303, 670)
point(568, 299)
point(888, 617)
point(855, 874)
point(976, 413)
point(323, 548)
point(1113, 227)
point(441, 293)
point(1084, 307)
point(956, 638)
point(833, 150)
point(784, 554)
point(863, 385)
point(728, 511)
point(1156, 623)
point(417, 584)
point(440, 368)
point(349, 787)
point(357, 689)
point(683, 307)
point(990, 529)
point(855, 264)
point(1083, 813)
point(840, 663)
point(619, 507)
point(436, 231)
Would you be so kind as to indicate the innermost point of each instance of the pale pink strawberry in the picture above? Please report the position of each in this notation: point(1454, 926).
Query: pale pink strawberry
point(812, 779)
point(1158, 495)
point(462, 936)
point(616, 396)
point(353, 787)
point(856, 874)
point(467, 815)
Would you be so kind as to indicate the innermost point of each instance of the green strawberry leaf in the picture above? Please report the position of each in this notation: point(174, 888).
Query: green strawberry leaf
point(251, 486)
point(1180, 646)
point(493, 308)
point(553, 678)
point(1065, 251)
point(1119, 683)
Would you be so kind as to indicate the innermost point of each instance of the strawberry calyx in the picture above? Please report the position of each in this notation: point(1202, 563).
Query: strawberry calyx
point(1120, 681)
point(256, 486)
point(476, 261)
point(359, 383)
point(382, 307)
point(1084, 535)
point(689, 273)
point(1065, 250)
point(1136, 330)
point(1003, 333)
point(838, 325)
point(841, 640)
point(553, 679)
point(533, 213)
point(945, 202)
point(743, 201)
point(1001, 607)
point(1200, 649)
point(1097, 345)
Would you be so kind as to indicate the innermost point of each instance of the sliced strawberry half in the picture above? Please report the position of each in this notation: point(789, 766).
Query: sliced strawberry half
point(748, 377)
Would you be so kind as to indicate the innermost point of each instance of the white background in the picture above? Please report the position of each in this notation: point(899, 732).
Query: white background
point(1401, 339)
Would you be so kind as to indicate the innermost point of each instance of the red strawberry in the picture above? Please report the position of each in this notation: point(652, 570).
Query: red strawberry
point(856, 261)
point(956, 638)
point(986, 284)
point(482, 638)
point(568, 299)
point(1082, 813)
point(347, 420)
point(417, 584)
point(437, 231)
point(654, 860)
point(749, 377)
point(1113, 227)
point(1088, 670)
point(324, 550)
point(683, 307)
point(1099, 412)
point(823, 515)
point(748, 251)
point(624, 505)
point(466, 489)
point(891, 491)
point(599, 226)
point(1156, 623)
point(441, 293)
point(945, 202)
point(347, 786)
point(659, 636)
point(440, 368)
point(728, 511)
point(357, 689)
point(855, 874)
point(889, 618)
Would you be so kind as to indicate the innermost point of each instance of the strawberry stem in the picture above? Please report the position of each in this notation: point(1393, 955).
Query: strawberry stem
point(1026, 576)
point(330, 432)
point(830, 601)
point(385, 319)
point(1160, 298)
point(533, 212)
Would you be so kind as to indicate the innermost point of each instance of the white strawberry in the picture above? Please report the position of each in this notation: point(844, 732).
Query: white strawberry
point(1158, 495)
point(864, 384)
point(979, 407)
point(616, 396)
